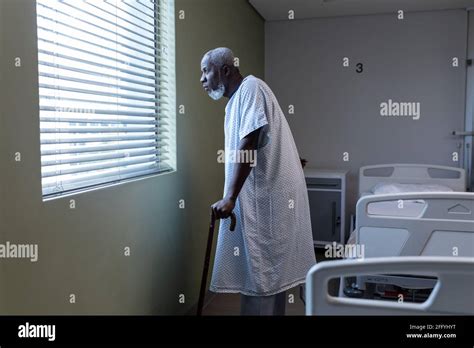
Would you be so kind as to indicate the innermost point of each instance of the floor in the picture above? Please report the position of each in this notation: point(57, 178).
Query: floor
point(229, 304)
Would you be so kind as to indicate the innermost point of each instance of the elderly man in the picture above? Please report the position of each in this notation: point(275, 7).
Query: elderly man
point(271, 249)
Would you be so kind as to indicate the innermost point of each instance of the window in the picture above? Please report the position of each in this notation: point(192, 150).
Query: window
point(107, 91)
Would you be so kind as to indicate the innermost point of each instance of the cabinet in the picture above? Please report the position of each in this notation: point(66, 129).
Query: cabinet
point(327, 202)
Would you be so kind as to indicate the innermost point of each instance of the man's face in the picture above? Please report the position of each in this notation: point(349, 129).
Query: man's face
point(211, 79)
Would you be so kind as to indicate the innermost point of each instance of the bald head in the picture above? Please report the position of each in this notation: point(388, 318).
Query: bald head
point(219, 73)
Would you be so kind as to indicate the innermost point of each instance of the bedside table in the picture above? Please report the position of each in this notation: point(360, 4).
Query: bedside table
point(327, 202)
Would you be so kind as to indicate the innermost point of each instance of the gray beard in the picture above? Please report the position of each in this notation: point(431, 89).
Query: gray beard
point(217, 93)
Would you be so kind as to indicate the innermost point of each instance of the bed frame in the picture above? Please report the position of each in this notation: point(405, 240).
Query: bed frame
point(452, 294)
point(444, 227)
point(445, 222)
point(452, 177)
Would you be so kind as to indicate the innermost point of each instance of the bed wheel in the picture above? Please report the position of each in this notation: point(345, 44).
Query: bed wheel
point(353, 292)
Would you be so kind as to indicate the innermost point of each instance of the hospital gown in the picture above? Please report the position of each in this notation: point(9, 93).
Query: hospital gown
point(271, 249)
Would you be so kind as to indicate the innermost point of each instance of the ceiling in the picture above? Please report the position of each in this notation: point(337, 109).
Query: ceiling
point(273, 10)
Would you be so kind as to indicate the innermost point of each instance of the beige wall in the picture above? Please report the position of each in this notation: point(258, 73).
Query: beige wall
point(81, 250)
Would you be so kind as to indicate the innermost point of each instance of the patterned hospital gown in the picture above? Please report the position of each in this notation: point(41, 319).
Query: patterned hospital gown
point(271, 249)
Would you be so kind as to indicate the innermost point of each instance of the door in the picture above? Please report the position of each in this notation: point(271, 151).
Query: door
point(325, 206)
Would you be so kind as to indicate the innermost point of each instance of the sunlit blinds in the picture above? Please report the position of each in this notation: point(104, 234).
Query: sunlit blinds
point(106, 89)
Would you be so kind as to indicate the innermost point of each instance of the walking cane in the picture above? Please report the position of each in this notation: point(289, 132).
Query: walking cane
point(205, 270)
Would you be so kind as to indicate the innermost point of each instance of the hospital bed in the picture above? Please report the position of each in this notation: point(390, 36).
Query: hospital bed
point(434, 220)
point(452, 294)
point(406, 178)
point(443, 227)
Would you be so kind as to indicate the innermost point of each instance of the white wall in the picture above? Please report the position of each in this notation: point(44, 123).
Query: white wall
point(338, 110)
point(469, 159)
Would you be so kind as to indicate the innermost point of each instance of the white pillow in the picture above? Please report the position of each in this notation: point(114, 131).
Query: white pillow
point(384, 188)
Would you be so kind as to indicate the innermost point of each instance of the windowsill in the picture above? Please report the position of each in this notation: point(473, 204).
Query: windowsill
point(106, 185)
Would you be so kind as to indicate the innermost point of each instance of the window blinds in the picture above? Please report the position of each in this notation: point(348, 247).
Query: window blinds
point(106, 88)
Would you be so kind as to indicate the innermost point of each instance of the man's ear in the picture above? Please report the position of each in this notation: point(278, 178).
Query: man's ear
point(226, 70)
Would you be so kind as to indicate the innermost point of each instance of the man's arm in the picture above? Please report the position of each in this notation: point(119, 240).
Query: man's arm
point(224, 207)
